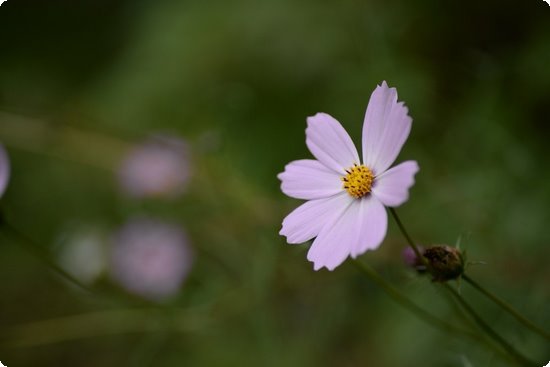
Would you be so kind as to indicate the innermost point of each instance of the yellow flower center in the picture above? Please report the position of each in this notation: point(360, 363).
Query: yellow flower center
point(358, 181)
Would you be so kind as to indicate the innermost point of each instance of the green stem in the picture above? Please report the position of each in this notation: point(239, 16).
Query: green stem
point(456, 307)
point(62, 142)
point(35, 250)
point(407, 237)
point(100, 324)
point(422, 314)
point(506, 307)
point(466, 320)
point(407, 303)
point(488, 330)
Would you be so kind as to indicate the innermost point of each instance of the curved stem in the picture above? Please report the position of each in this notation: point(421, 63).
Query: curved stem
point(62, 142)
point(421, 313)
point(407, 303)
point(35, 250)
point(488, 330)
point(506, 307)
point(406, 235)
point(467, 320)
point(102, 323)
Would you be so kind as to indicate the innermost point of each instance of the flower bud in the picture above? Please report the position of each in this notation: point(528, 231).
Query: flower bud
point(445, 262)
point(410, 258)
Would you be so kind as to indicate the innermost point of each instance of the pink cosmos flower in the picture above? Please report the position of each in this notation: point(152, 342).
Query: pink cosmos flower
point(346, 198)
point(158, 167)
point(150, 258)
point(4, 170)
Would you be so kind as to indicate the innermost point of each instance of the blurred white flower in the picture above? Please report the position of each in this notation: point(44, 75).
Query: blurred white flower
point(82, 254)
point(150, 258)
point(4, 170)
point(158, 167)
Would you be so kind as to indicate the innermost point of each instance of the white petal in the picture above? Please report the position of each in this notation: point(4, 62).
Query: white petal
point(330, 143)
point(392, 187)
point(385, 129)
point(373, 224)
point(307, 220)
point(309, 179)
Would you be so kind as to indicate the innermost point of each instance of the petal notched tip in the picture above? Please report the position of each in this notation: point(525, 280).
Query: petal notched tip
point(317, 265)
point(415, 168)
point(317, 118)
point(384, 87)
point(292, 237)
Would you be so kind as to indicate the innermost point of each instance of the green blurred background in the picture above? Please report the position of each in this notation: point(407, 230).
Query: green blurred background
point(81, 81)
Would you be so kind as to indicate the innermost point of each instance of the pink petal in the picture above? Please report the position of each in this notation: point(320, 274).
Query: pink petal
point(385, 129)
point(360, 228)
point(306, 221)
point(333, 244)
point(373, 224)
point(309, 179)
point(392, 187)
point(330, 143)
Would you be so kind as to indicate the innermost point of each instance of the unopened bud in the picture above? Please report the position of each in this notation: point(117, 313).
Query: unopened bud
point(410, 258)
point(445, 262)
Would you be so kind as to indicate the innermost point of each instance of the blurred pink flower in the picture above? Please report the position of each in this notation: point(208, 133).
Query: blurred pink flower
point(150, 258)
point(4, 170)
point(159, 167)
point(345, 211)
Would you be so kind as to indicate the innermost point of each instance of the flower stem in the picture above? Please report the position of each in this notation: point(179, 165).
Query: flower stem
point(488, 330)
point(467, 320)
point(421, 313)
point(506, 307)
point(407, 303)
point(143, 320)
point(406, 235)
point(35, 250)
point(62, 141)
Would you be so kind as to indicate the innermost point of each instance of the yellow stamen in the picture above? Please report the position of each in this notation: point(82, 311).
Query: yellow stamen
point(358, 181)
